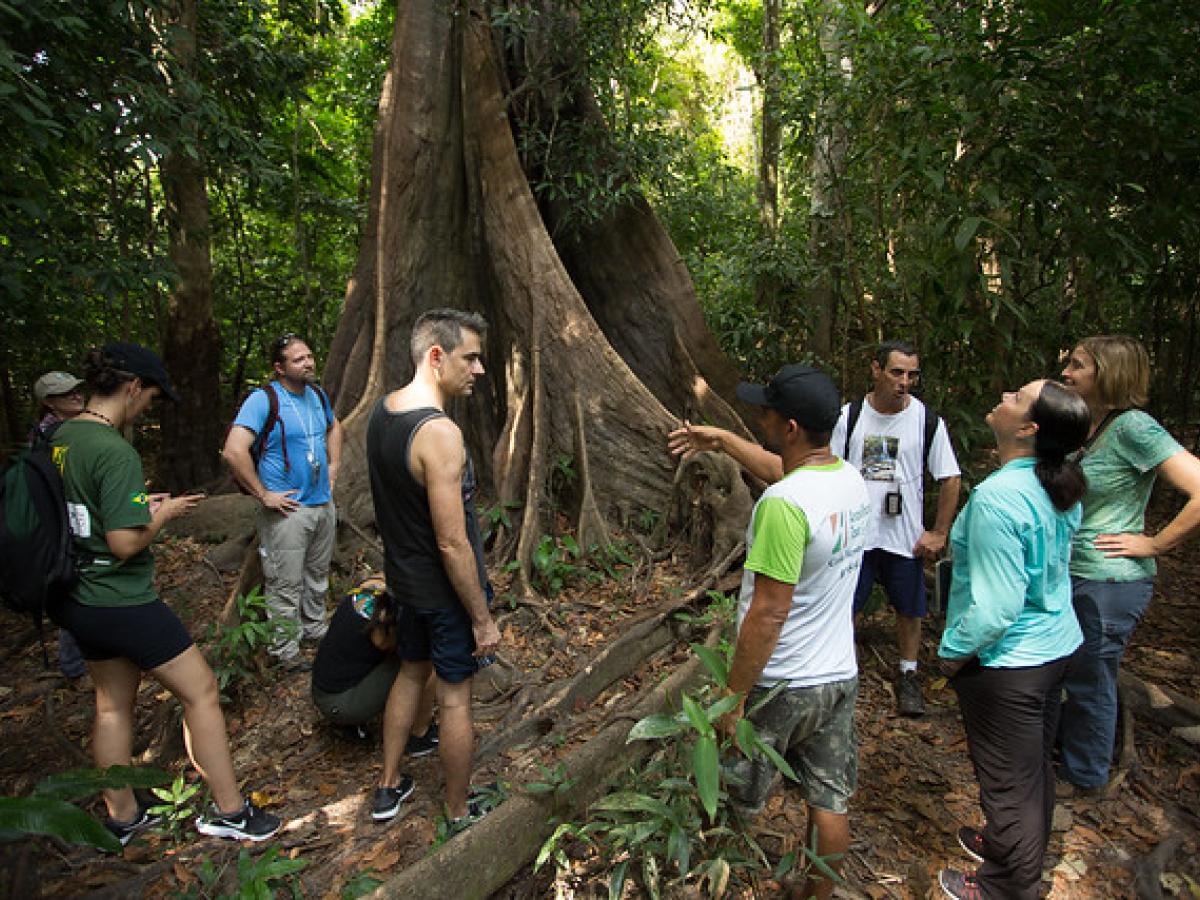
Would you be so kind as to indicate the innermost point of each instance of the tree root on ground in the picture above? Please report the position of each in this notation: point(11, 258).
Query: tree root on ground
point(512, 834)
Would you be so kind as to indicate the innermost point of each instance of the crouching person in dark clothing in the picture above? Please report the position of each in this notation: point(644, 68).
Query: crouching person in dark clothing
point(356, 664)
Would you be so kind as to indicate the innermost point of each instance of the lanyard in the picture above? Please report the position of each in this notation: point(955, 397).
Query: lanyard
point(308, 423)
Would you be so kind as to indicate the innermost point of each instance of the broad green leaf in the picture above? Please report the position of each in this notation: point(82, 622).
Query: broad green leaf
point(77, 784)
point(627, 801)
point(55, 818)
point(714, 662)
point(778, 761)
point(706, 766)
point(966, 231)
point(654, 727)
point(679, 849)
point(696, 716)
point(726, 704)
point(616, 880)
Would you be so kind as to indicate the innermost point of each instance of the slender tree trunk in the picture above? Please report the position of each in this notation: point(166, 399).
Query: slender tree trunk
point(828, 167)
point(191, 433)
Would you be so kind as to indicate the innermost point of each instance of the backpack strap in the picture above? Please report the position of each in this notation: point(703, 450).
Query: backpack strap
point(852, 417)
point(271, 421)
point(931, 424)
point(325, 404)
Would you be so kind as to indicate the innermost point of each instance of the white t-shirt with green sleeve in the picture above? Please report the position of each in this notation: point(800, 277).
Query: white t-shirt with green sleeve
point(1120, 466)
point(810, 529)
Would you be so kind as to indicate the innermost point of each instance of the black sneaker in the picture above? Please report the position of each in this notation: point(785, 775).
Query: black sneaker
point(959, 885)
point(249, 824)
point(423, 745)
point(125, 831)
point(479, 804)
point(972, 842)
point(909, 700)
point(386, 801)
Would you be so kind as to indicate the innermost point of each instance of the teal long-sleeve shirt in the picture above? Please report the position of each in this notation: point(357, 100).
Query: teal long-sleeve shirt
point(1010, 596)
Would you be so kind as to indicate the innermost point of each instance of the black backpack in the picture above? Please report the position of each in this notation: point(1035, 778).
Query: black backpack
point(38, 565)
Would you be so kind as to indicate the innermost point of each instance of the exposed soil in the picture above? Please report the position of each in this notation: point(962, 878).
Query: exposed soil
point(915, 781)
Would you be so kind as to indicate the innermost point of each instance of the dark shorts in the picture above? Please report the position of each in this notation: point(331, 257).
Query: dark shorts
point(442, 636)
point(148, 635)
point(903, 580)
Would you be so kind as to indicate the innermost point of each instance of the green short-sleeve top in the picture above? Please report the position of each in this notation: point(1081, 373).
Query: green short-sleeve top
point(105, 491)
point(1120, 465)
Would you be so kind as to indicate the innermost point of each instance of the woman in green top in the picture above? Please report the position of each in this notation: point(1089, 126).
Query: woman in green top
point(1112, 561)
point(114, 613)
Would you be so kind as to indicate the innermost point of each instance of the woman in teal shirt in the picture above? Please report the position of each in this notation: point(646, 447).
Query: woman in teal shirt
point(1010, 631)
point(1112, 564)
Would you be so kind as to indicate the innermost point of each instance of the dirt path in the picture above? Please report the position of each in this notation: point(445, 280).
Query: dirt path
point(915, 780)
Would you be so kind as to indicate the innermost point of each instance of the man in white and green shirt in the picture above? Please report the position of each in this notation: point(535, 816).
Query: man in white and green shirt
point(795, 619)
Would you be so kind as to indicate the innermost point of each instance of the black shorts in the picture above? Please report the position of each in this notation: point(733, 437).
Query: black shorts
point(442, 635)
point(148, 635)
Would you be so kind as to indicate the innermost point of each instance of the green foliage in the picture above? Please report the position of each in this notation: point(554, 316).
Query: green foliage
point(555, 564)
point(48, 812)
point(263, 877)
point(555, 781)
point(232, 649)
point(176, 806)
point(670, 823)
point(495, 517)
point(360, 885)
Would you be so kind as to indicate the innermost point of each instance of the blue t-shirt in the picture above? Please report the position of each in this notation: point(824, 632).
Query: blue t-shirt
point(305, 421)
point(1010, 596)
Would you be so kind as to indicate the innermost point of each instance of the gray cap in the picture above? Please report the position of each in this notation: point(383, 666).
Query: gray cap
point(52, 384)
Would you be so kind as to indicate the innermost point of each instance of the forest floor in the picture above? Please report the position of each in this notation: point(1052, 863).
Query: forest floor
point(915, 782)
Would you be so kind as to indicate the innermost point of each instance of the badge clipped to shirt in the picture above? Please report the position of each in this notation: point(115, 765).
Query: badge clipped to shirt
point(892, 503)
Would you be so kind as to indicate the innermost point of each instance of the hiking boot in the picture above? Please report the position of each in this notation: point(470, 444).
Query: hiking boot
point(386, 801)
point(972, 842)
point(423, 745)
point(909, 700)
point(959, 885)
point(248, 824)
point(125, 831)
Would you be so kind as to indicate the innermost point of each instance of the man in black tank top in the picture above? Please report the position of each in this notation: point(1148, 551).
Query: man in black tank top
point(422, 485)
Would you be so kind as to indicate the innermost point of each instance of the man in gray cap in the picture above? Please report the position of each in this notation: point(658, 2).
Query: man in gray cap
point(804, 548)
point(58, 398)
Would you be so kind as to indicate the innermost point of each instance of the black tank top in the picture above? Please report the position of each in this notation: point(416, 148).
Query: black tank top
point(412, 562)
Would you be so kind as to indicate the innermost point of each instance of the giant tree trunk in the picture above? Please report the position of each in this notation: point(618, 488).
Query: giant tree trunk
point(191, 343)
point(453, 222)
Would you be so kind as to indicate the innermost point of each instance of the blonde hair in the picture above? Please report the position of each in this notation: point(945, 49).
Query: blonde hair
point(1122, 369)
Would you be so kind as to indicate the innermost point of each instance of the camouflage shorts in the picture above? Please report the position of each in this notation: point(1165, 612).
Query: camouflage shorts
point(813, 729)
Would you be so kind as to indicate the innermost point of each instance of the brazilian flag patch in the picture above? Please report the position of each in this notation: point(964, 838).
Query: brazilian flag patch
point(140, 499)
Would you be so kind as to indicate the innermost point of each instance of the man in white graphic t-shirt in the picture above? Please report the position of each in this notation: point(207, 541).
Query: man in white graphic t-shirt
point(894, 439)
point(803, 550)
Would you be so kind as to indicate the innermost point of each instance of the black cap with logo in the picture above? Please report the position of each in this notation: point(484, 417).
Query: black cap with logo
point(798, 392)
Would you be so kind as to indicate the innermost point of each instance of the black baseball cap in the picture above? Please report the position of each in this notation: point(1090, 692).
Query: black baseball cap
point(798, 392)
point(142, 362)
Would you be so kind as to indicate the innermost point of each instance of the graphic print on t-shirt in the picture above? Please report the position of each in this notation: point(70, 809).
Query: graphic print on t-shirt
point(879, 457)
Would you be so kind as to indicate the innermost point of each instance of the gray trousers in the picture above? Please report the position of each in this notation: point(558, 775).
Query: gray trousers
point(295, 551)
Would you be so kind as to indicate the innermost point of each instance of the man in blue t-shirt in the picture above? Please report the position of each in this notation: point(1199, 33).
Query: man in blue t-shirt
point(300, 451)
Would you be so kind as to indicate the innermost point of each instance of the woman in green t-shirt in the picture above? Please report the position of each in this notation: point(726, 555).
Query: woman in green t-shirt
point(114, 613)
point(1112, 557)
